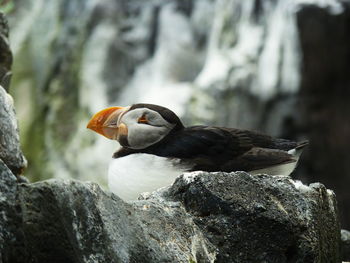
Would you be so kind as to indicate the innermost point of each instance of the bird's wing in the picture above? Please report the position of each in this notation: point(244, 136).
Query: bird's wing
point(207, 141)
point(265, 141)
point(224, 149)
point(258, 158)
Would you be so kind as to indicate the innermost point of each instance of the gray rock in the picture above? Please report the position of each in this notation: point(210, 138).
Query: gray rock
point(10, 152)
point(325, 30)
point(8, 215)
point(265, 218)
point(5, 53)
point(70, 221)
point(203, 217)
point(345, 245)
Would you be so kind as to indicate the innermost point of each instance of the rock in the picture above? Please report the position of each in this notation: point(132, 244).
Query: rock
point(10, 152)
point(324, 32)
point(345, 245)
point(8, 214)
point(5, 53)
point(70, 221)
point(265, 218)
point(203, 217)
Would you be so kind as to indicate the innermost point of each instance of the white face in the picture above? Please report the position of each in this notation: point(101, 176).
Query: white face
point(144, 127)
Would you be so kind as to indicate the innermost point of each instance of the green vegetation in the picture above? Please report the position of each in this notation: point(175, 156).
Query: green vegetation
point(6, 6)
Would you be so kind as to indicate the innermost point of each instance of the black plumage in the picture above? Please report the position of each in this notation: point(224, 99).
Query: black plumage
point(211, 148)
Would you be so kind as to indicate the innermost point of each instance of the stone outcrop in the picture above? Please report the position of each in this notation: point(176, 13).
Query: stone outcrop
point(345, 245)
point(324, 92)
point(5, 54)
point(10, 152)
point(202, 217)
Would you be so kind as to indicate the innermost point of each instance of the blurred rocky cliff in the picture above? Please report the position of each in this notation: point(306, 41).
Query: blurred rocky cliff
point(279, 66)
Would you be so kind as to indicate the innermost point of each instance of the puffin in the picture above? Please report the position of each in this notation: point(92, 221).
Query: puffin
point(156, 148)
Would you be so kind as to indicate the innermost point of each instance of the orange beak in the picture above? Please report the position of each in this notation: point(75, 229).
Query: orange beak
point(106, 122)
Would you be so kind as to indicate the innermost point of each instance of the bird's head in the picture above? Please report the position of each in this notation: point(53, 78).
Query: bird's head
point(138, 126)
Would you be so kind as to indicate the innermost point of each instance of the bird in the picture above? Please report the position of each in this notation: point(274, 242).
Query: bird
point(156, 148)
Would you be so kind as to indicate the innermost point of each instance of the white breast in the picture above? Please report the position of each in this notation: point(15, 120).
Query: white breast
point(134, 174)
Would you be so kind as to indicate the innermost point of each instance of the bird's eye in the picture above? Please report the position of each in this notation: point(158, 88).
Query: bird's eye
point(142, 119)
point(112, 124)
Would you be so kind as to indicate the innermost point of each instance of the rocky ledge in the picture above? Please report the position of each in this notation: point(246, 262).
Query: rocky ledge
point(202, 217)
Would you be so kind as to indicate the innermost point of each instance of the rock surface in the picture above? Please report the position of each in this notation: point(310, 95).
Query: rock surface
point(10, 152)
point(345, 245)
point(324, 38)
point(5, 53)
point(203, 217)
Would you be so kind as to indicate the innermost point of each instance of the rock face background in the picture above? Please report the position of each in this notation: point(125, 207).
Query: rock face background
point(279, 66)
